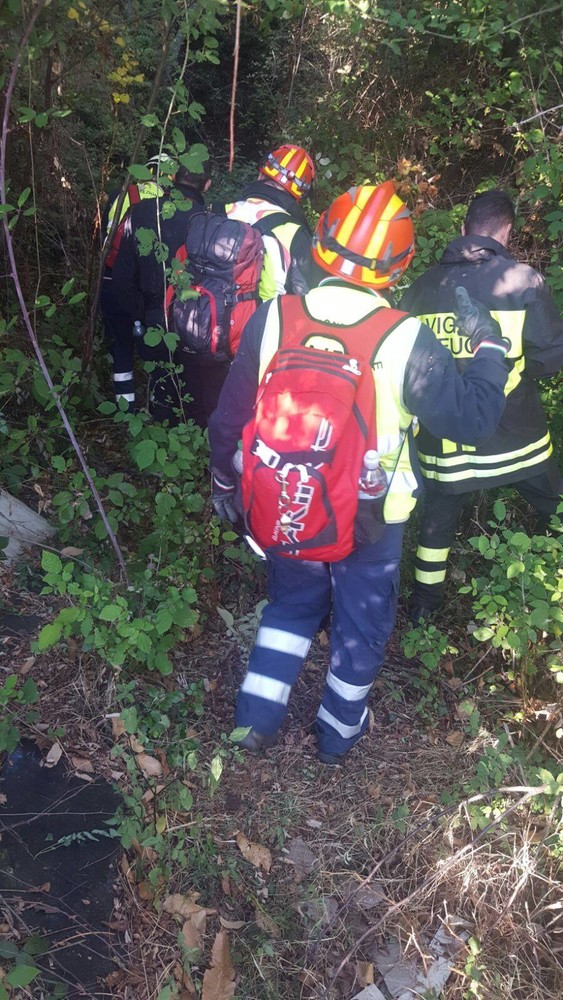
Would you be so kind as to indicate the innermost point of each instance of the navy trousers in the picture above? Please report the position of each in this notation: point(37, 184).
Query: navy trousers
point(362, 590)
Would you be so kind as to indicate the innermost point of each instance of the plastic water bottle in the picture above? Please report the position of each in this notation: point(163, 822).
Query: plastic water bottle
point(373, 481)
point(138, 329)
point(237, 460)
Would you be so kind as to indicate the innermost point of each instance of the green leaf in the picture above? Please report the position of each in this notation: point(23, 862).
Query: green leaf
point(5, 208)
point(8, 949)
point(29, 693)
point(515, 569)
point(149, 121)
point(50, 562)
point(179, 140)
point(499, 510)
point(239, 733)
point(41, 119)
point(130, 719)
point(26, 115)
point(22, 975)
point(483, 633)
point(194, 159)
point(140, 172)
point(110, 613)
point(49, 636)
point(23, 197)
point(143, 453)
point(153, 336)
point(77, 298)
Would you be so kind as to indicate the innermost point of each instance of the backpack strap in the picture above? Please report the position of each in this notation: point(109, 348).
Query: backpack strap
point(267, 225)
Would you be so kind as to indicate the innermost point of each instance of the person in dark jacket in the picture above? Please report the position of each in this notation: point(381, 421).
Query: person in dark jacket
point(273, 204)
point(520, 451)
point(117, 324)
point(363, 243)
point(153, 232)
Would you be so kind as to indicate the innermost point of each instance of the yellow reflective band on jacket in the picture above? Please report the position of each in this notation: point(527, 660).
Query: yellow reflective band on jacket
point(443, 468)
point(148, 189)
point(342, 307)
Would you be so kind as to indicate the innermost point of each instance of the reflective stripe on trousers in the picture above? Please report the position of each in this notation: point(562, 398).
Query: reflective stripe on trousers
point(363, 588)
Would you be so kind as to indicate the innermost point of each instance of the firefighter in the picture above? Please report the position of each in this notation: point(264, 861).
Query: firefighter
point(117, 324)
point(273, 203)
point(152, 234)
point(520, 451)
point(363, 243)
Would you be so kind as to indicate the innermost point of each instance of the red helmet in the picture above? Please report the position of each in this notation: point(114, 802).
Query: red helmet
point(366, 236)
point(290, 167)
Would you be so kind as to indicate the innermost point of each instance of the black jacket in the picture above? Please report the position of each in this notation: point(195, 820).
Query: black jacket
point(518, 298)
point(138, 277)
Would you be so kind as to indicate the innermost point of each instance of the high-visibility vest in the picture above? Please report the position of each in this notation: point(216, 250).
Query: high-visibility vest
point(133, 195)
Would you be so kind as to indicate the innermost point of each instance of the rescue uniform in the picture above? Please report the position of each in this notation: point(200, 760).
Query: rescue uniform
point(414, 375)
point(520, 450)
point(139, 283)
point(288, 266)
point(118, 328)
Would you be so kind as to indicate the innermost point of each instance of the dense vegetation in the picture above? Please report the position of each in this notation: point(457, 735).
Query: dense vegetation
point(446, 99)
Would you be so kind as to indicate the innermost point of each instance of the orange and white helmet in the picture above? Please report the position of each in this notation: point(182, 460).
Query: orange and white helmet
point(366, 236)
point(291, 167)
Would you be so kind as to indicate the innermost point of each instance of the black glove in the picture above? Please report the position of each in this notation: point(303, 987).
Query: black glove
point(475, 321)
point(223, 498)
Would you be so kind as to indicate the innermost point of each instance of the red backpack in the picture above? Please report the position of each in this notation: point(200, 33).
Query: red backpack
point(314, 420)
point(224, 260)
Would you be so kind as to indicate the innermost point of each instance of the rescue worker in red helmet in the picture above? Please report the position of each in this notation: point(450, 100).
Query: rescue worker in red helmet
point(364, 242)
point(272, 204)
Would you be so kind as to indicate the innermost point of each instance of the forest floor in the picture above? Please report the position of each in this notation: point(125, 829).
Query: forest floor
point(290, 879)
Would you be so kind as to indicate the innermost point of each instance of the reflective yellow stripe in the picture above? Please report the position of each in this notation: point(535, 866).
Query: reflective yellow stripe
point(499, 459)
point(454, 477)
point(432, 555)
point(421, 577)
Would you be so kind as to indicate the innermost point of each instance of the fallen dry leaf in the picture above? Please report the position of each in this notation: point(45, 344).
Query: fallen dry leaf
point(135, 745)
point(150, 766)
point(54, 755)
point(266, 923)
point(193, 930)
point(70, 550)
point(82, 764)
point(178, 905)
point(218, 981)
point(365, 973)
point(257, 854)
point(27, 665)
point(455, 739)
point(117, 726)
point(232, 925)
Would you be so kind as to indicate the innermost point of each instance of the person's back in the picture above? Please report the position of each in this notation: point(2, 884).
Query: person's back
point(520, 451)
point(272, 203)
point(152, 235)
